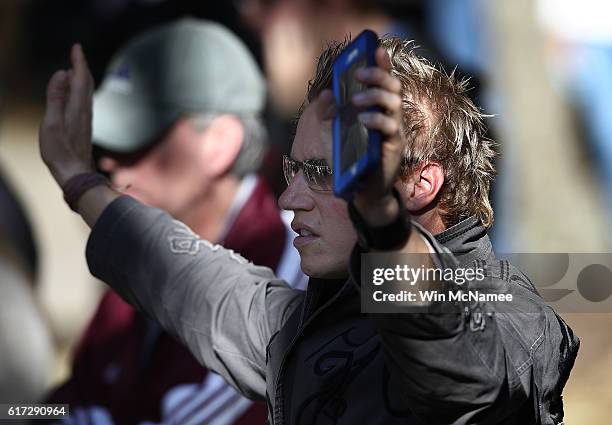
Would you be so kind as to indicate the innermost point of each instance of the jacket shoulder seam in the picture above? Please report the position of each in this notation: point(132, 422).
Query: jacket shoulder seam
point(536, 344)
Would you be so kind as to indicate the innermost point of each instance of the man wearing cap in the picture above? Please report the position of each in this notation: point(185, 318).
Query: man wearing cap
point(176, 126)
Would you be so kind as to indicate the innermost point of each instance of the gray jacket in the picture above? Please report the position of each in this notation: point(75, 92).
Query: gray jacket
point(314, 357)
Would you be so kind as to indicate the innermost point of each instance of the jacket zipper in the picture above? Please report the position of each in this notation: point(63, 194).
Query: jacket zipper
point(278, 404)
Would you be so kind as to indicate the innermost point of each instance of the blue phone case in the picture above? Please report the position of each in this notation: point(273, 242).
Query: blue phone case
point(349, 180)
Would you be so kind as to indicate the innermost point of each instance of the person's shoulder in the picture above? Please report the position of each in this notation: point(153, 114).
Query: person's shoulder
point(534, 335)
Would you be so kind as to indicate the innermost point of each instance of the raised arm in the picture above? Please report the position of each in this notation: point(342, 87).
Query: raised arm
point(65, 133)
point(223, 308)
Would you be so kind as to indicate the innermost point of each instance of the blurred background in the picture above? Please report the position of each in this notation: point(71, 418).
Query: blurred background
point(541, 68)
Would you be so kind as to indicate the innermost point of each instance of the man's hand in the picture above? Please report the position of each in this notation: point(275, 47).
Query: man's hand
point(375, 202)
point(65, 132)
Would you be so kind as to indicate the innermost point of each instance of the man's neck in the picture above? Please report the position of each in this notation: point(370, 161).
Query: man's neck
point(208, 214)
point(431, 221)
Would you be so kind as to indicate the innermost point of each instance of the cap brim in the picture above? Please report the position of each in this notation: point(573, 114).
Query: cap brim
point(121, 123)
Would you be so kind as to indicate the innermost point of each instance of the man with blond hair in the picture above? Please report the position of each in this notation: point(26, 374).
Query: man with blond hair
point(316, 357)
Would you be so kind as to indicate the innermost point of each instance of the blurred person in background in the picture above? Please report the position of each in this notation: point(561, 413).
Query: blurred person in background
point(292, 32)
point(177, 126)
point(26, 351)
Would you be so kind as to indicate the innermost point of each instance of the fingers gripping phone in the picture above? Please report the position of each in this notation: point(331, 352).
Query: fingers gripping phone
point(356, 149)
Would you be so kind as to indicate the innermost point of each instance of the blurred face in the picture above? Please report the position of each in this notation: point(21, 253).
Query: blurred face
point(167, 175)
point(325, 232)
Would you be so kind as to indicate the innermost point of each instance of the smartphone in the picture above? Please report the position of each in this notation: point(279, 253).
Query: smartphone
point(356, 150)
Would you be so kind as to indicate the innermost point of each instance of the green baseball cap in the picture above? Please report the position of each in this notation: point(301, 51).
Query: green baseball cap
point(185, 67)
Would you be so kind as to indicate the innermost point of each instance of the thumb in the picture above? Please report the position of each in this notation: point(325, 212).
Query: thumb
point(57, 92)
point(382, 59)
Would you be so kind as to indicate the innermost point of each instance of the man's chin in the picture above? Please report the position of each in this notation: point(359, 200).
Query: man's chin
point(322, 271)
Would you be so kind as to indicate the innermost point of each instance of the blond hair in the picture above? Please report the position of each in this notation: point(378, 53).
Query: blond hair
point(441, 124)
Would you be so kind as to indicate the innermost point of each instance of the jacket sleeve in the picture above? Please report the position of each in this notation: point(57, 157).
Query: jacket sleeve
point(223, 308)
point(469, 364)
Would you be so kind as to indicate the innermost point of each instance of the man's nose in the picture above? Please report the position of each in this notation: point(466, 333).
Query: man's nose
point(297, 195)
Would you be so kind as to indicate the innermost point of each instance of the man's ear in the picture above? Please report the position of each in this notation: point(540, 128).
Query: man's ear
point(222, 141)
point(420, 189)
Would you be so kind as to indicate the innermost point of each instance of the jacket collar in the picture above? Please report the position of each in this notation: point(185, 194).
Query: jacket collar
point(467, 240)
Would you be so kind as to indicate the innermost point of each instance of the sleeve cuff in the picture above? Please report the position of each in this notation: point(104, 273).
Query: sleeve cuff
point(100, 242)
